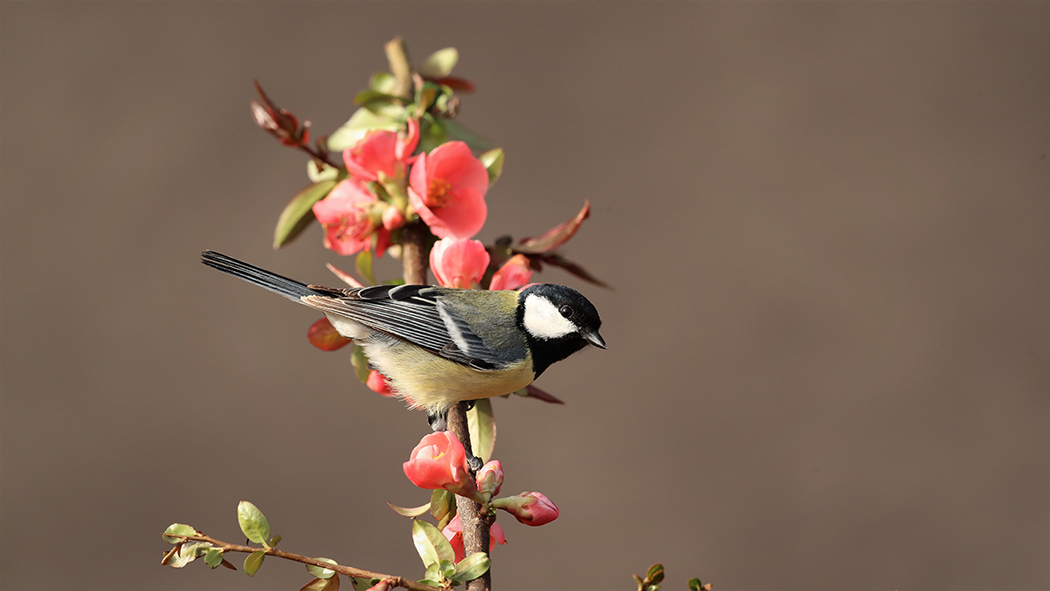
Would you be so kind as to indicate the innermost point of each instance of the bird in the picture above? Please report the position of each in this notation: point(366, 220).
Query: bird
point(438, 346)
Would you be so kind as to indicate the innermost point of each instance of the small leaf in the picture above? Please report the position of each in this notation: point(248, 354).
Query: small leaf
point(364, 266)
point(439, 64)
point(410, 511)
point(253, 523)
point(655, 574)
point(186, 553)
point(319, 171)
point(362, 584)
point(213, 558)
point(553, 258)
point(360, 123)
point(695, 584)
point(322, 573)
point(431, 543)
point(458, 132)
point(315, 584)
point(360, 363)
point(493, 161)
point(472, 567)
point(346, 277)
point(383, 82)
point(228, 564)
point(434, 574)
point(177, 531)
point(481, 424)
point(442, 502)
point(253, 562)
point(556, 236)
point(432, 132)
point(376, 102)
point(299, 212)
point(274, 541)
point(531, 391)
point(325, 337)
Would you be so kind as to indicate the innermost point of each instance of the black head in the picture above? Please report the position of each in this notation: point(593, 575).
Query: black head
point(558, 321)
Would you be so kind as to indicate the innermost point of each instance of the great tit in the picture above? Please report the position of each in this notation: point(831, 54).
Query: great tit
point(441, 345)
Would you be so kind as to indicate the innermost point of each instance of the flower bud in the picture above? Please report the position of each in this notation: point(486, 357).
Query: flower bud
point(490, 478)
point(454, 533)
point(377, 383)
point(393, 218)
point(530, 508)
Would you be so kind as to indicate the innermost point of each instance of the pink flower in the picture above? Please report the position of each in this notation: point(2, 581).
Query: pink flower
point(513, 274)
point(382, 151)
point(454, 533)
point(348, 220)
point(439, 461)
point(459, 262)
point(378, 384)
point(447, 189)
point(530, 508)
point(490, 478)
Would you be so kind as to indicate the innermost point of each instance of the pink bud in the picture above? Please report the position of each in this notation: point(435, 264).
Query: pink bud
point(530, 508)
point(378, 383)
point(490, 478)
point(459, 262)
point(454, 533)
point(384, 585)
point(513, 274)
point(393, 218)
point(439, 461)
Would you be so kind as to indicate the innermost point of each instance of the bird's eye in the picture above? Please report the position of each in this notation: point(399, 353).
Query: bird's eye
point(566, 311)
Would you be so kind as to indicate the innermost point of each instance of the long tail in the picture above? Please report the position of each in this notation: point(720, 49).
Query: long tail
point(289, 288)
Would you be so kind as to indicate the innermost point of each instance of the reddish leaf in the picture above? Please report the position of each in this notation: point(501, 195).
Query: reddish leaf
point(553, 258)
point(324, 336)
point(456, 83)
point(534, 392)
point(556, 236)
point(279, 122)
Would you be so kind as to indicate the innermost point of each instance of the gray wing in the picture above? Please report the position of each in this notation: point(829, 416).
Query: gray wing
point(411, 313)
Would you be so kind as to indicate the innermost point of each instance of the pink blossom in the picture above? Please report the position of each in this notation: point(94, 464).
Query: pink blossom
point(513, 274)
point(490, 478)
point(378, 384)
point(393, 218)
point(439, 461)
point(454, 533)
point(530, 508)
point(382, 151)
point(447, 189)
point(349, 221)
point(459, 262)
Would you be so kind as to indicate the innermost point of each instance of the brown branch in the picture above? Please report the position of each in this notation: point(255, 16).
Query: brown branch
point(348, 571)
point(414, 254)
point(475, 519)
point(400, 66)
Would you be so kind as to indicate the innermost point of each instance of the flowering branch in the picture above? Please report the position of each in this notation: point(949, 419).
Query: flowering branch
point(476, 519)
point(349, 571)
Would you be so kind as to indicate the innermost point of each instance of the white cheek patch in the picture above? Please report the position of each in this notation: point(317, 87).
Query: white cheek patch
point(544, 321)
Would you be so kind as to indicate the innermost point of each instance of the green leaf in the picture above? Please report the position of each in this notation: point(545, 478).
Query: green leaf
point(472, 567)
point(253, 523)
point(253, 562)
point(378, 102)
point(322, 573)
point(442, 502)
point(655, 574)
point(493, 161)
point(360, 123)
point(482, 426)
point(318, 172)
point(362, 584)
point(274, 541)
point(410, 511)
point(364, 266)
point(424, 98)
point(213, 558)
point(458, 132)
point(695, 584)
point(439, 64)
point(383, 82)
point(186, 553)
point(434, 574)
point(431, 543)
point(432, 132)
point(360, 363)
point(177, 531)
point(299, 212)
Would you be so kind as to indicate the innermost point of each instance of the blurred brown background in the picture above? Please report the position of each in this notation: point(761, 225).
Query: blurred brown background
point(826, 223)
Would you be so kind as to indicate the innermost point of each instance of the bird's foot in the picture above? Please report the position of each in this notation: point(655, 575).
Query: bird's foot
point(438, 422)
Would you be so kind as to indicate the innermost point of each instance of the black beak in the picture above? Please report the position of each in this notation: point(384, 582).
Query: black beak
point(592, 337)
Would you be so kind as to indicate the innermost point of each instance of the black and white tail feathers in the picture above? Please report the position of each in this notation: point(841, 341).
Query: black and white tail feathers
point(289, 288)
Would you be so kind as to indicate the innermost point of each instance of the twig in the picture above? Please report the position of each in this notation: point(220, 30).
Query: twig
point(343, 570)
point(475, 520)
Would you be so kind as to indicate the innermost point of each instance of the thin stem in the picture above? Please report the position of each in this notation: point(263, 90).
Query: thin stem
point(348, 571)
point(414, 255)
